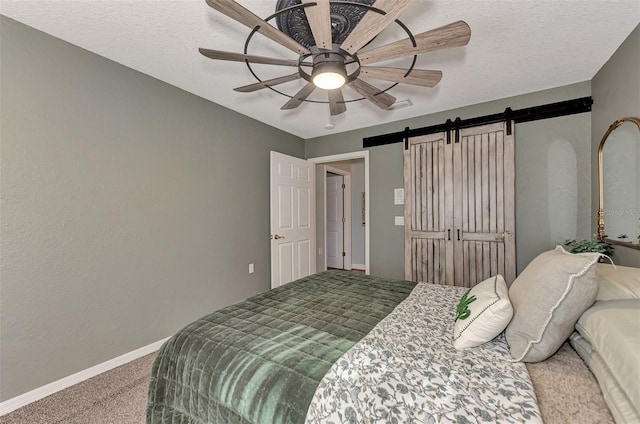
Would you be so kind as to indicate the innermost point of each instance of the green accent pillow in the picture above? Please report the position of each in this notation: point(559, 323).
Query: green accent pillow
point(483, 312)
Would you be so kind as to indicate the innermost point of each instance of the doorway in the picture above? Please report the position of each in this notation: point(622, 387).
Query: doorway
point(359, 196)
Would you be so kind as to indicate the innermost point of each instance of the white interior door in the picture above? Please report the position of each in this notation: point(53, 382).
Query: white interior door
point(335, 221)
point(292, 219)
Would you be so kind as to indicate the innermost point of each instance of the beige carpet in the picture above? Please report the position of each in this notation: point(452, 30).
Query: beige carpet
point(567, 393)
point(118, 396)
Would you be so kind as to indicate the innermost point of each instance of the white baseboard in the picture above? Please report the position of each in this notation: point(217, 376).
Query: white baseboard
point(361, 267)
point(51, 388)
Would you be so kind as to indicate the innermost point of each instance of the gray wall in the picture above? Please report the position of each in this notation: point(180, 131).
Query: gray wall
point(553, 199)
point(616, 94)
point(129, 208)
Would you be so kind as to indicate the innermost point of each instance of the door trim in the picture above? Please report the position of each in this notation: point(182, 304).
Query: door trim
point(363, 154)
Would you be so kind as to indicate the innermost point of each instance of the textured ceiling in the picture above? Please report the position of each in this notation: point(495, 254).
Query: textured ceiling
point(516, 47)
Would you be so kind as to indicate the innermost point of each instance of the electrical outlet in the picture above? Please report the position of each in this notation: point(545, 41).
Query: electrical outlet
point(251, 269)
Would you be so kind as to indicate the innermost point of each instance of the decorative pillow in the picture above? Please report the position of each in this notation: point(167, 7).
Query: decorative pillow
point(548, 297)
point(483, 313)
point(619, 282)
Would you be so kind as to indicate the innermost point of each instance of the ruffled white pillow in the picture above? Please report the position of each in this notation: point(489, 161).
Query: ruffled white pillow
point(483, 312)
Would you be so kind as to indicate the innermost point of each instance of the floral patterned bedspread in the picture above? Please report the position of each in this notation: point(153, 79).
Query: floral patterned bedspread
point(406, 370)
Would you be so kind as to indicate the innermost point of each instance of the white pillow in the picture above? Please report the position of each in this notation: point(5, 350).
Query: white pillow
point(483, 312)
point(619, 282)
point(612, 327)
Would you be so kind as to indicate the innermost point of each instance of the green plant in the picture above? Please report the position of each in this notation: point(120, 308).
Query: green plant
point(589, 245)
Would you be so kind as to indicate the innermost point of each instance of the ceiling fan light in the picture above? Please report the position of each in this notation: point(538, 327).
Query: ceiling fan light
point(330, 74)
point(329, 80)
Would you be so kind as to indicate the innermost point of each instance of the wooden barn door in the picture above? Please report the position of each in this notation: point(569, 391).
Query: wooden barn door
point(485, 210)
point(459, 206)
point(427, 179)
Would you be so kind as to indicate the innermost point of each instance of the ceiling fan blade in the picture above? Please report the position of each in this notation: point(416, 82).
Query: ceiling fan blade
point(374, 23)
point(382, 100)
point(239, 57)
point(453, 35)
point(336, 102)
point(268, 83)
point(299, 97)
point(246, 17)
point(319, 18)
point(420, 77)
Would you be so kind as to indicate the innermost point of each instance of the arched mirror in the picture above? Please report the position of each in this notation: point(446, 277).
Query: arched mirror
point(619, 184)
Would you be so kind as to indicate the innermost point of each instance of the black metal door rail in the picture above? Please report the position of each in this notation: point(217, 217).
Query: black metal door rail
point(452, 128)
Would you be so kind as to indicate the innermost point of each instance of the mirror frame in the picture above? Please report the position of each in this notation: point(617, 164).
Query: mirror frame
point(601, 233)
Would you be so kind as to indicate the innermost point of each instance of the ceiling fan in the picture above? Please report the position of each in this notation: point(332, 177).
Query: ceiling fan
point(327, 36)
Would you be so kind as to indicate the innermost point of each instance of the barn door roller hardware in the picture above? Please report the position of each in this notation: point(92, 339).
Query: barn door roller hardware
point(452, 128)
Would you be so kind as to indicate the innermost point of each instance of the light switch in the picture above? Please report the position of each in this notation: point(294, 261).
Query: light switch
point(398, 196)
point(251, 268)
point(399, 220)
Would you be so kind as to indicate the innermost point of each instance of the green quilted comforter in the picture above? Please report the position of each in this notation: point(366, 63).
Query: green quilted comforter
point(261, 360)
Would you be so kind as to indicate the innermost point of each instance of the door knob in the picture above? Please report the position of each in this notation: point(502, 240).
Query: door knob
point(277, 237)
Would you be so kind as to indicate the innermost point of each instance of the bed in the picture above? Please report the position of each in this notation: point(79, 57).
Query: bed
point(261, 360)
point(345, 347)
